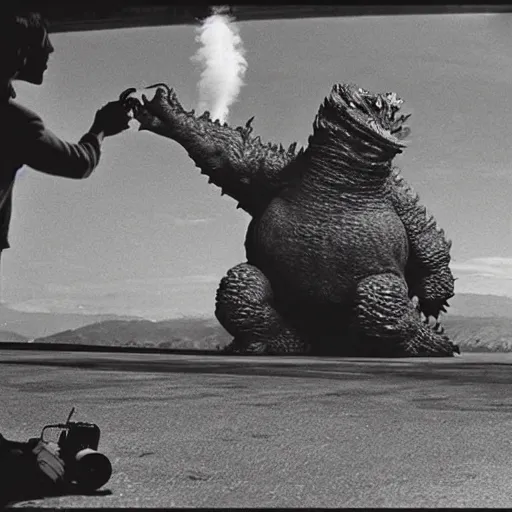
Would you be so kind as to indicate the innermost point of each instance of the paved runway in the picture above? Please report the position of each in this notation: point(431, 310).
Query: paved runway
point(211, 431)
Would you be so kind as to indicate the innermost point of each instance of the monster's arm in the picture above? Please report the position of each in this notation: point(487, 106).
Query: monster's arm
point(428, 273)
point(245, 169)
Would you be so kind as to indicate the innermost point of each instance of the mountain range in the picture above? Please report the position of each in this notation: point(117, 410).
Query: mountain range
point(32, 325)
point(476, 322)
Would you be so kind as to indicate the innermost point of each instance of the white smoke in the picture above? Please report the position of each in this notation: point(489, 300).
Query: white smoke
point(221, 58)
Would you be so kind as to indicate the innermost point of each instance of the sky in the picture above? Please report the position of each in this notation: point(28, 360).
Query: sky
point(146, 235)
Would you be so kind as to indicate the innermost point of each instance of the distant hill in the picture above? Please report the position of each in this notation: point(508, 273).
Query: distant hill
point(473, 334)
point(480, 334)
point(185, 333)
point(12, 336)
point(33, 324)
point(481, 322)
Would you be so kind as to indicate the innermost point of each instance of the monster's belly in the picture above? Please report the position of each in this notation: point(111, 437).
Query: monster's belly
point(317, 257)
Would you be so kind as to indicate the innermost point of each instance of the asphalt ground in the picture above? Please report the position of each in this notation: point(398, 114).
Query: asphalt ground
point(234, 431)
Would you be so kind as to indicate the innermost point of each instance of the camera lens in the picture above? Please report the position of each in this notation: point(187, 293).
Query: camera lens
point(93, 469)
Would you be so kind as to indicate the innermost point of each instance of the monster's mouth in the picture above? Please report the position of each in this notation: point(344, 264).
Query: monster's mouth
point(377, 112)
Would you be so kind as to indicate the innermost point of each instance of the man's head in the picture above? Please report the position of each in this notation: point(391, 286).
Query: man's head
point(24, 50)
point(12, 36)
point(36, 49)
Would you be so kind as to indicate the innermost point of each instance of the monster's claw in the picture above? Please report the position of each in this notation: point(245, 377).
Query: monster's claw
point(132, 105)
point(161, 84)
point(165, 86)
point(438, 328)
point(124, 95)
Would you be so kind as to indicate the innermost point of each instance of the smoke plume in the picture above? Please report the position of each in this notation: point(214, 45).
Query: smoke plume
point(221, 59)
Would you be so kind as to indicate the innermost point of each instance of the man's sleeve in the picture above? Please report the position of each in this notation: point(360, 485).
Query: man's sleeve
point(45, 152)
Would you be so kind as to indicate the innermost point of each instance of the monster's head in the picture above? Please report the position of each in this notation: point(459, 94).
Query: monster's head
point(366, 126)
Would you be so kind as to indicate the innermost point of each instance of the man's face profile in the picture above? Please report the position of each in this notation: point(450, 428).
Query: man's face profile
point(36, 60)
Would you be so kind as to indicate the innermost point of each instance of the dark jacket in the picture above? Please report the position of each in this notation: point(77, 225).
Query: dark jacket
point(26, 141)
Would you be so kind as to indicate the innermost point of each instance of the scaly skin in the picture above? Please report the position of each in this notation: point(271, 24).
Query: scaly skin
point(337, 245)
point(245, 169)
point(428, 273)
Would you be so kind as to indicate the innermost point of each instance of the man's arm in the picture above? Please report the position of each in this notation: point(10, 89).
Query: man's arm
point(45, 152)
point(49, 154)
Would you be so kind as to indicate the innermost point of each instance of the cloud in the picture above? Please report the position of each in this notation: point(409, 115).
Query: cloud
point(494, 266)
point(190, 222)
point(490, 276)
point(182, 221)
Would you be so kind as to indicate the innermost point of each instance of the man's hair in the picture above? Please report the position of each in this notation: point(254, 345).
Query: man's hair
point(33, 25)
point(20, 30)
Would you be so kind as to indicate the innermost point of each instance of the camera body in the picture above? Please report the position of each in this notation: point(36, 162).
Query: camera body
point(77, 448)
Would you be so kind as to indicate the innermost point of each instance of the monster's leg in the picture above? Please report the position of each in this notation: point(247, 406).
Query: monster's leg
point(245, 308)
point(384, 312)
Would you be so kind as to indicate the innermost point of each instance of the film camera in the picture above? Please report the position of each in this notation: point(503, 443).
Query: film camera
point(76, 452)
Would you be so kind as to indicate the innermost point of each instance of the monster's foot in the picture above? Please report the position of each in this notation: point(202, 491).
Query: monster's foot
point(385, 313)
point(241, 347)
point(245, 308)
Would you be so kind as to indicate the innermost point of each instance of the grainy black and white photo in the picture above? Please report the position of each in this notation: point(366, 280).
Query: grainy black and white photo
point(255, 256)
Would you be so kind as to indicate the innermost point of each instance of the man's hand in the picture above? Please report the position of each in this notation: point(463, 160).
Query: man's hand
point(111, 119)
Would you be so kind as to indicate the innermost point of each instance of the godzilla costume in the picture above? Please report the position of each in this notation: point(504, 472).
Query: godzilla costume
point(338, 245)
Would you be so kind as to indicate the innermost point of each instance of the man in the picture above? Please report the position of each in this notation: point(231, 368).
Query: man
point(25, 49)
